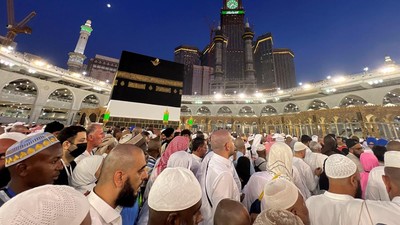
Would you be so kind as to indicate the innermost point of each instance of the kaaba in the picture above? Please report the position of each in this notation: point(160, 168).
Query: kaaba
point(146, 87)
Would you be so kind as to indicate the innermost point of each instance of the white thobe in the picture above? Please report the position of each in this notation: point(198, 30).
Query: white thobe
point(102, 213)
point(324, 209)
point(82, 156)
point(196, 163)
point(376, 189)
point(254, 187)
point(371, 212)
point(315, 160)
point(306, 174)
point(217, 182)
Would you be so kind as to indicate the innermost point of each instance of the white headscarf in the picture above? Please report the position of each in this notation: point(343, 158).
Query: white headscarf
point(256, 142)
point(280, 160)
point(83, 177)
point(46, 205)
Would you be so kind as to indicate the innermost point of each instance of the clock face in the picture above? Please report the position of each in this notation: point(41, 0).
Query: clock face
point(232, 4)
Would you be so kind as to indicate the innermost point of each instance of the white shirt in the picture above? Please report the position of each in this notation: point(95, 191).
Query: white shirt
point(254, 187)
point(196, 163)
point(217, 183)
point(82, 156)
point(369, 212)
point(315, 160)
point(102, 213)
point(306, 175)
point(324, 209)
point(376, 189)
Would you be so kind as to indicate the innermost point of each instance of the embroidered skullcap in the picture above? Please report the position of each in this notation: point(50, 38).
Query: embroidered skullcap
point(392, 159)
point(175, 189)
point(338, 166)
point(16, 136)
point(298, 146)
point(260, 147)
point(46, 205)
point(277, 217)
point(29, 147)
point(280, 193)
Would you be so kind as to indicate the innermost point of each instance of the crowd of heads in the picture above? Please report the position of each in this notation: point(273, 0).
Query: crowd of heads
point(267, 178)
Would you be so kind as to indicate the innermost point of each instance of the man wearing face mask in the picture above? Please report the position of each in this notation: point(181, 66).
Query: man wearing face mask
point(73, 141)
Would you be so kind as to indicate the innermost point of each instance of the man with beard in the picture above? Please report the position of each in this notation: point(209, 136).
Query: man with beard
point(32, 162)
point(73, 142)
point(121, 176)
point(6, 140)
point(355, 151)
point(344, 185)
point(175, 198)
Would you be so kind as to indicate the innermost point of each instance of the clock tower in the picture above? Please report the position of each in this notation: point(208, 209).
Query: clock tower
point(232, 26)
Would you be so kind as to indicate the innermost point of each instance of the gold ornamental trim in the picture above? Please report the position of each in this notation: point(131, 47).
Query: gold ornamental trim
point(149, 79)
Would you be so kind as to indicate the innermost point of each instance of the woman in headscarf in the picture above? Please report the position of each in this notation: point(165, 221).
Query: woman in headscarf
point(368, 162)
point(86, 173)
point(279, 164)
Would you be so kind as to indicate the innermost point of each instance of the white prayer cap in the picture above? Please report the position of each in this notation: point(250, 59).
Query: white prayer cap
point(280, 194)
point(16, 136)
point(83, 177)
point(180, 159)
point(295, 138)
point(298, 146)
point(46, 205)
point(288, 136)
point(392, 159)
point(277, 216)
point(205, 135)
point(260, 147)
point(314, 138)
point(276, 135)
point(279, 139)
point(175, 189)
point(194, 136)
point(338, 166)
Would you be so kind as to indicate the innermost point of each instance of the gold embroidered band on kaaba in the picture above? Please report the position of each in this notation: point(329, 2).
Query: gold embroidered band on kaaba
point(149, 79)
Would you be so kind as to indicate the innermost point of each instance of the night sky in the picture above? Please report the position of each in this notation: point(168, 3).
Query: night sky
point(328, 37)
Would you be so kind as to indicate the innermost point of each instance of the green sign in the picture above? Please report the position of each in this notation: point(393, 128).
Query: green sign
point(235, 12)
point(107, 116)
point(190, 121)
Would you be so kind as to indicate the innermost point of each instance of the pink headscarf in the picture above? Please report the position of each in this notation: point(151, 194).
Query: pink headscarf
point(177, 144)
point(368, 162)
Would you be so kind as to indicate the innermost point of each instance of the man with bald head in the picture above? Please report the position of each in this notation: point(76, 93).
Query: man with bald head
point(231, 212)
point(376, 189)
point(217, 181)
point(32, 162)
point(6, 140)
point(378, 212)
point(121, 176)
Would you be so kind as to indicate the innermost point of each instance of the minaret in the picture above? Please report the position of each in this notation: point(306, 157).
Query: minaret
point(76, 58)
point(219, 42)
point(248, 53)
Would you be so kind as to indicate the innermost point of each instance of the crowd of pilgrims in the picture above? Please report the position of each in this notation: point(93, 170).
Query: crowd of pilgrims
point(75, 175)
